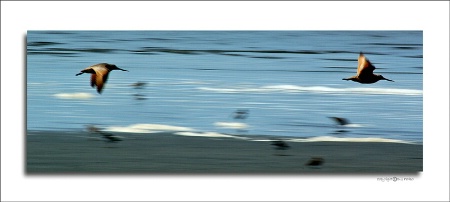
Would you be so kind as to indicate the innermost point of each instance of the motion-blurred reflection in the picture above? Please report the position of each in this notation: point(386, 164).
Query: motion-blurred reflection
point(241, 114)
point(139, 87)
point(107, 136)
point(340, 124)
point(315, 162)
point(280, 147)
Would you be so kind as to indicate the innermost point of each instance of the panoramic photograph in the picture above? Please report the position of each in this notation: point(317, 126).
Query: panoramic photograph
point(224, 102)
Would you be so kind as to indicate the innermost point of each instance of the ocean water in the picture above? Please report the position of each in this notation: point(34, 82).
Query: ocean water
point(289, 82)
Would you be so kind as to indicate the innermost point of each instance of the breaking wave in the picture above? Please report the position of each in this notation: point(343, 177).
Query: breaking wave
point(74, 95)
point(315, 89)
point(338, 139)
point(160, 128)
point(185, 131)
point(232, 125)
point(209, 134)
point(348, 139)
point(147, 128)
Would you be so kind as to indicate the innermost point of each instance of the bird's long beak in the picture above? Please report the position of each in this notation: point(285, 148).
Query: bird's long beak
point(388, 80)
point(123, 70)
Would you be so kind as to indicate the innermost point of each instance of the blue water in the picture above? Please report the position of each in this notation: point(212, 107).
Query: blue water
point(289, 81)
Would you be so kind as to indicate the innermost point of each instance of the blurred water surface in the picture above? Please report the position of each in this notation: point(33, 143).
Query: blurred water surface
point(289, 82)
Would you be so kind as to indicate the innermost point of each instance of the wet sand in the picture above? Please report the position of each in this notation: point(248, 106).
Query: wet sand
point(165, 153)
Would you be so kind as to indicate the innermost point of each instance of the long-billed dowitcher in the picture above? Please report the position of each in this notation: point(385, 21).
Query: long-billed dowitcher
point(364, 73)
point(99, 74)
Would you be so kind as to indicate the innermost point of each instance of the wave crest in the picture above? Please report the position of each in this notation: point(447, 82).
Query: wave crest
point(232, 125)
point(348, 139)
point(314, 89)
point(74, 95)
point(147, 128)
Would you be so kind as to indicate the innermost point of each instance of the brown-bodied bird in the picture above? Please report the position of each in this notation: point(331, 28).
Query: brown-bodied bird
point(365, 74)
point(99, 74)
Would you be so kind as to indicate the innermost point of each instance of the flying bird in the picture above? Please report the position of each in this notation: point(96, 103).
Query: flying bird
point(364, 73)
point(340, 121)
point(99, 74)
point(241, 114)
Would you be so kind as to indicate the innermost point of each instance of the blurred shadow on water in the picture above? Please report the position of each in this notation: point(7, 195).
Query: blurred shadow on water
point(340, 125)
point(241, 114)
point(107, 136)
point(280, 147)
point(315, 162)
point(139, 87)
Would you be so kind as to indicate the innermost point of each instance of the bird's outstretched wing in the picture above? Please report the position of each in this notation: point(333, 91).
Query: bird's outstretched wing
point(93, 80)
point(364, 66)
point(99, 78)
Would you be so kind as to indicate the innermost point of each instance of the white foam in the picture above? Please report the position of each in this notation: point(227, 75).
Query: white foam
point(204, 134)
point(314, 89)
point(354, 125)
point(348, 139)
point(262, 140)
point(232, 125)
point(74, 95)
point(147, 128)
